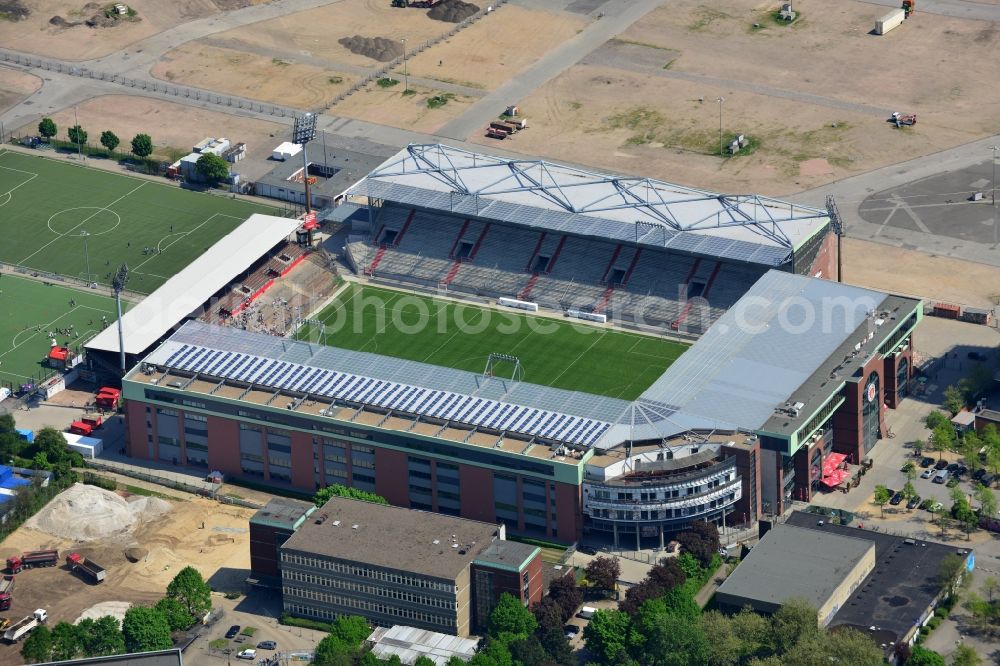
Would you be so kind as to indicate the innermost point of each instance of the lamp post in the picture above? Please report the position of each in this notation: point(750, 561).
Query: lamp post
point(406, 78)
point(304, 131)
point(86, 252)
point(118, 285)
point(720, 100)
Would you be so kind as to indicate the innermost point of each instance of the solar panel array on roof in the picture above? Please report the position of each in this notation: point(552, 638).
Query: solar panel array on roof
point(349, 387)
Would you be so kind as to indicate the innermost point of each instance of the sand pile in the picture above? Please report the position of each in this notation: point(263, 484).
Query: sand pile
point(87, 513)
point(377, 48)
point(452, 11)
point(115, 609)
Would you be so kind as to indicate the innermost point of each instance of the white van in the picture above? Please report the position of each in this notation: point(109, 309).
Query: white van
point(586, 612)
point(941, 476)
point(249, 653)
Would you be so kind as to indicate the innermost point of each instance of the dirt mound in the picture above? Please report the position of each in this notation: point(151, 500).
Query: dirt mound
point(376, 48)
point(452, 11)
point(60, 22)
point(135, 554)
point(89, 513)
point(13, 10)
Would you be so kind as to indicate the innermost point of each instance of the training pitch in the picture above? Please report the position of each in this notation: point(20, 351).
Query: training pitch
point(30, 309)
point(577, 357)
point(59, 217)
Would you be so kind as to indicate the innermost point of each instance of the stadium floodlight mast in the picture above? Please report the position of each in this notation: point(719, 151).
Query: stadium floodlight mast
point(720, 100)
point(118, 285)
point(86, 253)
point(304, 131)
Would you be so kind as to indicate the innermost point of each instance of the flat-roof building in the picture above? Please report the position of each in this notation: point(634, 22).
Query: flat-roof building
point(394, 565)
point(269, 529)
point(798, 563)
point(410, 643)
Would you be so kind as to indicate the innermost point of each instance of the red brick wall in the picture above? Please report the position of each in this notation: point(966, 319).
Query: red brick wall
point(847, 436)
point(135, 429)
point(224, 445)
point(392, 480)
point(569, 512)
point(536, 580)
point(889, 372)
point(744, 510)
point(826, 259)
point(302, 461)
point(476, 488)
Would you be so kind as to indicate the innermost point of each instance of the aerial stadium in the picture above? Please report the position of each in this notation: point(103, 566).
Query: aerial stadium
point(748, 371)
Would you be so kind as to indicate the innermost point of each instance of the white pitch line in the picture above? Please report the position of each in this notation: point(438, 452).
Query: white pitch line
point(180, 235)
point(102, 208)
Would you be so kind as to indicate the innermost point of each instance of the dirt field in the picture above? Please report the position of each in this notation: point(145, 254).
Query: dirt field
point(495, 49)
point(170, 125)
point(388, 106)
point(250, 75)
point(36, 34)
point(220, 552)
point(315, 32)
point(685, 52)
point(913, 273)
point(15, 86)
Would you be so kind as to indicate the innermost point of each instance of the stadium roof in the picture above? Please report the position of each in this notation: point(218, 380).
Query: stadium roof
point(407, 387)
point(534, 193)
point(753, 359)
point(189, 289)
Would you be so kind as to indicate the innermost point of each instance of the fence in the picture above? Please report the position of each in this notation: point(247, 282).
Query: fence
point(176, 481)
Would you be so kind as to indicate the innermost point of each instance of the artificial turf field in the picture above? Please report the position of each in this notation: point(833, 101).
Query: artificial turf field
point(27, 305)
point(573, 356)
point(47, 204)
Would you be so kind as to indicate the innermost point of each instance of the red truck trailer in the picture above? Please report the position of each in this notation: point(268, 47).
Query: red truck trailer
point(32, 559)
point(107, 398)
point(89, 568)
point(6, 592)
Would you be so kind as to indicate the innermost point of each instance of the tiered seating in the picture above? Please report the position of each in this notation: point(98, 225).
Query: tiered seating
point(650, 286)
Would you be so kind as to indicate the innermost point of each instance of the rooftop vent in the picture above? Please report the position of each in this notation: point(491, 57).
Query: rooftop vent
point(355, 526)
point(336, 523)
point(321, 519)
point(454, 545)
point(436, 541)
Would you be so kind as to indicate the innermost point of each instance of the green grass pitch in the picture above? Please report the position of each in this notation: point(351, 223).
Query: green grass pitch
point(566, 355)
point(47, 204)
point(28, 305)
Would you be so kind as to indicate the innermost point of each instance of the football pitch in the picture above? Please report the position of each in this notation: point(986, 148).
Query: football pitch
point(30, 309)
point(565, 355)
point(61, 217)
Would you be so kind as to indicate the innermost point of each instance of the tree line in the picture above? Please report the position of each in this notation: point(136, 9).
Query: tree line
point(142, 144)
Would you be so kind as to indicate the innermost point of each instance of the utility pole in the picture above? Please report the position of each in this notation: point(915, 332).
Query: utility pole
point(720, 100)
point(406, 78)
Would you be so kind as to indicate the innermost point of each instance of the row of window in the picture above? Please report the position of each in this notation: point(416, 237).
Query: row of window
point(663, 514)
point(363, 604)
point(365, 572)
point(371, 590)
point(662, 493)
point(327, 614)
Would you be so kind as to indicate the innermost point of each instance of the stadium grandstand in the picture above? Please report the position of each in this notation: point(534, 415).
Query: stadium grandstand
point(639, 251)
point(240, 262)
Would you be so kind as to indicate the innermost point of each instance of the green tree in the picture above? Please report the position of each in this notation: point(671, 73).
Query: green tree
point(331, 651)
point(954, 401)
point(943, 439)
point(965, 656)
point(38, 645)
point(969, 448)
point(145, 630)
point(609, 635)
point(921, 656)
point(754, 633)
point(674, 641)
point(191, 590)
point(109, 140)
point(882, 495)
point(47, 128)
point(351, 629)
point(142, 145)
point(725, 647)
point(842, 646)
point(918, 447)
point(993, 459)
point(528, 651)
point(990, 586)
point(511, 617)
point(177, 614)
point(949, 570)
point(796, 620)
point(102, 637)
point(423, 661)
point(323, 495)
point(909, 492)
point(77, 135)
point(66, 641)
point(212, 168)
point(935, 419)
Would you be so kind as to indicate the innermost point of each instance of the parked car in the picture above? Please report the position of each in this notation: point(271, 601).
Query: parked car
point(249, 653)
point(961, 471)
point(926, 462)
point(940, 464)
point(952, 468)
point(978, 475)
point(571, 630)
point(988, 480)
point(586, 550)
point(926, 504)
point(914, 502)
point(896, 499)
point(926, 474)
point(267, 645)
point(941, 476)
point(233, 630)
